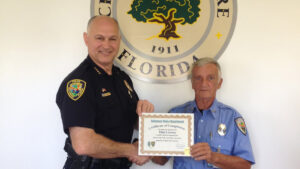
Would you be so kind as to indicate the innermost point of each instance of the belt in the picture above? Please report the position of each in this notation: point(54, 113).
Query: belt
point(114, 163)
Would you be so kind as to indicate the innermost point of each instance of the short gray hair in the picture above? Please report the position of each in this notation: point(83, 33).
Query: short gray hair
point(91, 20)
point(207, 60)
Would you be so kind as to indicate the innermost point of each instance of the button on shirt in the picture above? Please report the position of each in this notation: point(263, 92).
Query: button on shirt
point(234, 142)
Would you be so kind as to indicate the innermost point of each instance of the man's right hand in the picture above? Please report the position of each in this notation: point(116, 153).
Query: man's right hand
point(138, 160)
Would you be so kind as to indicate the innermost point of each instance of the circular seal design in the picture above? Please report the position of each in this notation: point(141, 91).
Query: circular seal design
point(161, 39)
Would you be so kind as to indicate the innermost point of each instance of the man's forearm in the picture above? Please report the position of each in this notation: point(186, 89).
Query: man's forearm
point(229, 162)
point(86, 142)
point(106, 148)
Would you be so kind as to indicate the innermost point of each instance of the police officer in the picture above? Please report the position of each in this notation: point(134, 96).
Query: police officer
point(221, 138)
point(99, 106)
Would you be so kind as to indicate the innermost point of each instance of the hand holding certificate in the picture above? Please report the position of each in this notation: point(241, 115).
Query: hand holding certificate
point(166, 134)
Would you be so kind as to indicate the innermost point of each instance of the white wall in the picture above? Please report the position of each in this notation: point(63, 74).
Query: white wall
point(41, 42)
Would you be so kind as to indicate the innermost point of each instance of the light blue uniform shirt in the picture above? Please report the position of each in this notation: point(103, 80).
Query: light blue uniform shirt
point(234, 142)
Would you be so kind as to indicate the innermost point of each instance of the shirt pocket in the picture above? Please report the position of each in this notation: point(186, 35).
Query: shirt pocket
point(105, 100)
point(222, 144)
point(108, 115)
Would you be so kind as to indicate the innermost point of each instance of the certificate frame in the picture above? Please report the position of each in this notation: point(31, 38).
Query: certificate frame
point(166, 134)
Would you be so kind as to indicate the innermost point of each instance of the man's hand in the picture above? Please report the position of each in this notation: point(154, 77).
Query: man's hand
point(202, 151)
point(160, 160)
point(144, 106)
point(138, 160)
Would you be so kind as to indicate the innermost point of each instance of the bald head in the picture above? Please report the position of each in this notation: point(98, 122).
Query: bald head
point(103, 20)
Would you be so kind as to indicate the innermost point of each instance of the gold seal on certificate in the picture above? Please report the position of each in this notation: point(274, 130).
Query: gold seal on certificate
point(166, 134)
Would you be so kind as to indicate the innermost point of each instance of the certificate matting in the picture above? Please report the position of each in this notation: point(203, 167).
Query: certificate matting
point(166, 134)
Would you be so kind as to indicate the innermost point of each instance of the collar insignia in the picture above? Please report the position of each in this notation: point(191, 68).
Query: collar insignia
point(241, 125)
point(97, 70)
point(105, 93)
point(75, 88)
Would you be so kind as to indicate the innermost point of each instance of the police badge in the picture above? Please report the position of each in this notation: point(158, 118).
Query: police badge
point(75, 88)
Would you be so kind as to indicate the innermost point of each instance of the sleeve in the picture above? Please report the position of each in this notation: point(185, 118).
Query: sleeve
point(75, 99)
point(242, 146)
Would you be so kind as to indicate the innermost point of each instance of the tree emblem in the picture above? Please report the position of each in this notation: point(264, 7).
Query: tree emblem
point(161, 39)
point(166, 12)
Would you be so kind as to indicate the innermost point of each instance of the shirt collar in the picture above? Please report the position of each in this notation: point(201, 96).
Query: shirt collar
point(98, 69)
point(212, 109)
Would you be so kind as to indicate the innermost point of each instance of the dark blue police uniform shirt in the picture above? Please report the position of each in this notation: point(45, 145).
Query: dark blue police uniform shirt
point(89, 97)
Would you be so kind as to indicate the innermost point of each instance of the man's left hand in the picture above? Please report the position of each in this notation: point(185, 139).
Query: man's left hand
point(202, 151)
point(139, 160)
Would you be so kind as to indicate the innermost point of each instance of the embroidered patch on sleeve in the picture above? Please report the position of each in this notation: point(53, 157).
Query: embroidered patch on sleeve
point(241, 125)
point(75, 88)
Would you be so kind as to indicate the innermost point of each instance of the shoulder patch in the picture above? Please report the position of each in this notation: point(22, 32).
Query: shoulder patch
point(241, 125)
point(75, 88)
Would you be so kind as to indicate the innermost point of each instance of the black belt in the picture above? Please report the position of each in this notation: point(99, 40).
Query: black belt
point(113, 163)
point(75, 161)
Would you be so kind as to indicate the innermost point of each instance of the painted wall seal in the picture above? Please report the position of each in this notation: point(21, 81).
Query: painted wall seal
point(161, 39)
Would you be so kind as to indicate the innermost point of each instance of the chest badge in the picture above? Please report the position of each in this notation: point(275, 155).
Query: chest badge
point(130, 90)
point(75, 88)
point(222, 129)
point(105, 93)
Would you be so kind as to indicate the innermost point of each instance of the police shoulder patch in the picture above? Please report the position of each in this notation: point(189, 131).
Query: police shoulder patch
point(241, 125)
point(75, 88)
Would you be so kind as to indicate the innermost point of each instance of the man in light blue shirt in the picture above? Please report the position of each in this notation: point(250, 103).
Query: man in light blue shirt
point(221, 138)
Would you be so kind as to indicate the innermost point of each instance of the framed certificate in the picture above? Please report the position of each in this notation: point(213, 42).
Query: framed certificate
point(166, 134)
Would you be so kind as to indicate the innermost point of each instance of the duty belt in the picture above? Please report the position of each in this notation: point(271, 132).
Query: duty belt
point(114, 163)
point(75, 161)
